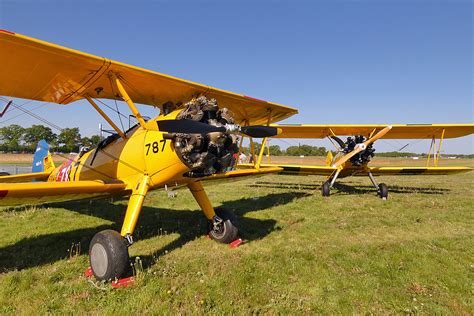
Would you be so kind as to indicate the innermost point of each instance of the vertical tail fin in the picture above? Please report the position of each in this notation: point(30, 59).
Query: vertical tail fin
point(42, 160)
point(329, 158)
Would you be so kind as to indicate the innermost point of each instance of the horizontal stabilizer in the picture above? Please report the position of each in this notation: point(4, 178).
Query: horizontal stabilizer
point(25, 177)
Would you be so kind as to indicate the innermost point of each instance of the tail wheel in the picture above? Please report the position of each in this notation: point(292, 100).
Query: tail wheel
point(326, 189)
point(108, 255)
point(226, 231)
point(383, 191)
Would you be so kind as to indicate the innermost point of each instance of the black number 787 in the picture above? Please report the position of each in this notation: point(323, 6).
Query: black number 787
point(154, 146)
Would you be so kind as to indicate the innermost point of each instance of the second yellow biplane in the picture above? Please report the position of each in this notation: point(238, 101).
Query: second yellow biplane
point(354, 155)
point(193, 139)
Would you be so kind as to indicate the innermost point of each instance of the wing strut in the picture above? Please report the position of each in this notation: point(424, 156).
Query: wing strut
point(439, 149)
point(102, 113)
point(432, 151)
point(128, 100)
point(264, 142)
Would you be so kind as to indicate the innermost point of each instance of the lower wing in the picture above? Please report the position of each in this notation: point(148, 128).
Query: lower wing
point(47, 192)
point(296, 169)
point(328, 170)
point(418, 170)
point(244, 172)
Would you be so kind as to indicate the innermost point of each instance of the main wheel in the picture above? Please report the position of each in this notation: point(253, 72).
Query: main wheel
point(383, 191)
point(226, 231)
point(108, 255)
point(326, 189)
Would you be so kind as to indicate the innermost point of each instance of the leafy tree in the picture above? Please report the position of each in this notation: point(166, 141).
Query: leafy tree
point(90, 141)
point(95, 139)
point(69, 139)
point(275, 150)
point(306, 150)
point(397, 154)
point(35, 133)
point(10, 137)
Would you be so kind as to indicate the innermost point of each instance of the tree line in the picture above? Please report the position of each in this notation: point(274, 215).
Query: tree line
point(15, 138)
point(423, 155)
point(301, 150)
point(307, 150)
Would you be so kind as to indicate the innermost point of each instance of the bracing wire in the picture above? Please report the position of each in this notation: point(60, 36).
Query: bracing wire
point(35, 116)
point(116, 105)
point(45, 121)
point(21, 114)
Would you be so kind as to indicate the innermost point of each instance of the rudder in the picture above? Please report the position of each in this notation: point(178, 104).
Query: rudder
point(42, 160)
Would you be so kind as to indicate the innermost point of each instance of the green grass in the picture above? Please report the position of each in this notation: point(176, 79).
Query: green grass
point(350, 253)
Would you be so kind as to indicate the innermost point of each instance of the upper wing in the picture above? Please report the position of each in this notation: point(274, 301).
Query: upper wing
point(33, 69)
point(398, 131)
point(46, 192)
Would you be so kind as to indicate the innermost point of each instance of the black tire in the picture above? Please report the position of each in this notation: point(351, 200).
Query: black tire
point(2, 173)
point(108, 255)
point(228, 231)
point(326, 189)
point(383, 191)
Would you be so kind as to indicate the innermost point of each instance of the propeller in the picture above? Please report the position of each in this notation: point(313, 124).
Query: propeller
point(195, 127)
point(362, 146)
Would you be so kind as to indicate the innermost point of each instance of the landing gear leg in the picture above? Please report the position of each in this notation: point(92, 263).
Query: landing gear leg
point(108, 251)
point(382, 189)
point(326, 188)
point(223, 225)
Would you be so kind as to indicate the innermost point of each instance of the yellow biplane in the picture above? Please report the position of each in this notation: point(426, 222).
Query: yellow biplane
point(354, 154)
point(194, 138)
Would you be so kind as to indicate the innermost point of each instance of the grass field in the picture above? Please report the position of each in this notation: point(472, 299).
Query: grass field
point(304, 254)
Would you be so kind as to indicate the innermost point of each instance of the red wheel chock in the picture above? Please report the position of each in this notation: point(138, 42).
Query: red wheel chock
point(123, 282)
point(115, 284)
point(236, 243)
point(88, 273)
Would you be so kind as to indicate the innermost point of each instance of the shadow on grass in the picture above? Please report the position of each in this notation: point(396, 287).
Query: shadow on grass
point(286, 185)
point(153, 221)
point(361, 189)
point(348, 189)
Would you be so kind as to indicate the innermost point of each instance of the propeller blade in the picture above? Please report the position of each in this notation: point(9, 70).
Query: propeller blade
point(195, 127)
point(260, 131)
point(187, 127)
point(339, 141)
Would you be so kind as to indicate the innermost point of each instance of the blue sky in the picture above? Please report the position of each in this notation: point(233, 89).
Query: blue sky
point(336, 61)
